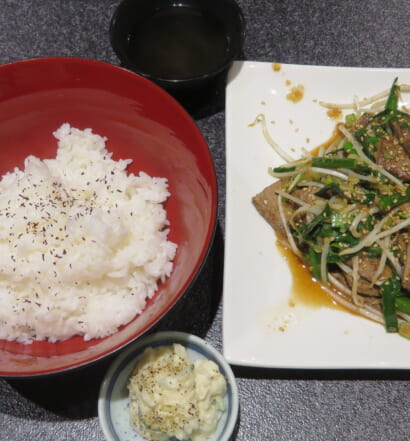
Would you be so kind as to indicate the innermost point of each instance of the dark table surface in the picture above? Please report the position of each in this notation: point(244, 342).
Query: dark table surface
point(275, 404)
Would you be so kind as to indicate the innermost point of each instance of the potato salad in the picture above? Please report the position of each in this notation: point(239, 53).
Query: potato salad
point(173, 396)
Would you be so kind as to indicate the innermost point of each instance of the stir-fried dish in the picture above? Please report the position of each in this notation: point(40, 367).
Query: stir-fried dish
point(345, 210)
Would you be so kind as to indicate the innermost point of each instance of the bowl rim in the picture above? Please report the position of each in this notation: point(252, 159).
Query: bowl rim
point(210, 236)
point(164, 338)
point(173, 82)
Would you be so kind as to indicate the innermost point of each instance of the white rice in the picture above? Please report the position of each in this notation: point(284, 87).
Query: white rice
point(83, 244)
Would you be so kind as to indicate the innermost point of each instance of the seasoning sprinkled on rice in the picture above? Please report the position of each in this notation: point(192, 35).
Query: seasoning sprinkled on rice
point(83, 244)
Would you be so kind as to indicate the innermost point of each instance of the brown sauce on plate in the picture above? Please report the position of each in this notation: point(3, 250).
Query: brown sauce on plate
point(306, 291)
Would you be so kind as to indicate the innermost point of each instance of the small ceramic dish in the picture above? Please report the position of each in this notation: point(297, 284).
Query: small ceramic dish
point(113, 402)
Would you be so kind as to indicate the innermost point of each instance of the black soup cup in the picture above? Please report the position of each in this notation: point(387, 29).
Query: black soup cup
point(186, 46)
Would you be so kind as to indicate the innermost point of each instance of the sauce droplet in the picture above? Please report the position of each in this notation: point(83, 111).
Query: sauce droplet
point(335, 114)
point(296, 94)
point(276, 67)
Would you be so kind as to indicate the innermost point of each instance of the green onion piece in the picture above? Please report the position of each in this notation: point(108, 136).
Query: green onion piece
point(386, 203)
point(313, 259)
point(386, 116)
point(350, 163)
point(373, 252)
point(350, 118)
point(366, 224)
point(283, 169)
point(364, 196)
point(344, 240)
point(329, 190)
point(333, 257)
point(307, 230)
point(337, 246)
point(367, 141)
point(348, 148)
point(403, 304)
point(390, 289)
point(327, 231)
point(338, 220)
point(393, 99)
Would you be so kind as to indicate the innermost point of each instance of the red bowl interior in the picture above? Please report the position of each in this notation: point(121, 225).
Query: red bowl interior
point(141, 122)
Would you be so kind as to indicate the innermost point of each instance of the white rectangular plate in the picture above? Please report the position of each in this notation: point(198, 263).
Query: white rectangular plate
point(259, 328)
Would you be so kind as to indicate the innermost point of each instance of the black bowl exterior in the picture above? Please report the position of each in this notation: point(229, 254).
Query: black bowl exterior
point(130, 13)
